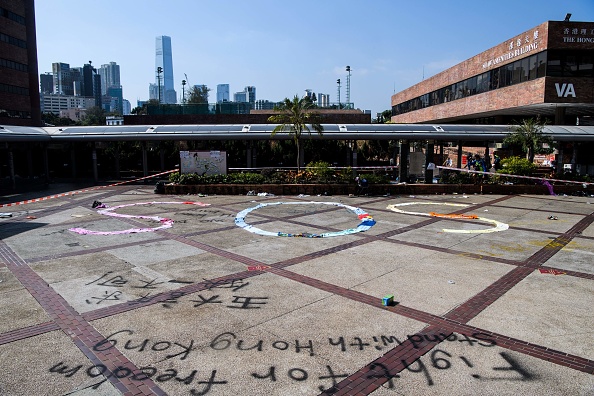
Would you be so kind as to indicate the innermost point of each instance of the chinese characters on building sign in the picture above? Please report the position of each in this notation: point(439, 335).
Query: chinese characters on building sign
point(518, 46)
point(576, 35)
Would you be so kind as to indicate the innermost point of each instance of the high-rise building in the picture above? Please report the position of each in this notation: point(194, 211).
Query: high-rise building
point(240, 97)
point(222, 93)
point(164, 61)
point(251, 94)
point(62, 79)
point(110, 76)
point(323, 100)
point(46, 82)
point(19, 81)
point(247, 95)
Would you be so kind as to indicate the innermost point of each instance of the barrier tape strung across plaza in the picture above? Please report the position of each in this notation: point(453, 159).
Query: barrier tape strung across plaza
point(85, 190)
point(517, 176)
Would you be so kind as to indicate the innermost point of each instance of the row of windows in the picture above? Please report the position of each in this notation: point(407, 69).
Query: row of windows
point(13, 65)
point(13, 89)
point(14, 113)
point(547, 63)
point(13, 40)
point(12, 16)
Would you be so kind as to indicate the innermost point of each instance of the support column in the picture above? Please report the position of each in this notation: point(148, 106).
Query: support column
point(95, 170)
point(459, 161)
point(30, 163)
point(73, 161)
point(403, 163)
point(429, 159)
point(560, 115)
point(301, 156)
point(46, 163)
point(11, 169)
point(117, 162)
point(254, 155)
point(355, 162)
point(144, 160)
point(248, 152)
point(162, 158)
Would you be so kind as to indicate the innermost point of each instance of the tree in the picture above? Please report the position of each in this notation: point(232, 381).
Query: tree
point(198, 94)
point(529, 136)
point(95, 116)
point(293, 118)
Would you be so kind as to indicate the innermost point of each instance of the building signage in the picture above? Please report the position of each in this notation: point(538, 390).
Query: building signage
point(518, 46)
point(565, 90)
point(578, 35)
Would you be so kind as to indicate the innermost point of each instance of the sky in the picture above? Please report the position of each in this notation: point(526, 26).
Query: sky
point(283, 48)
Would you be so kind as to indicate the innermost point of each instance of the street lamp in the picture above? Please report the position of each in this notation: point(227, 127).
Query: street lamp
point(183, 91)
point(348, 87)
point(338, 82)
point(159, 71)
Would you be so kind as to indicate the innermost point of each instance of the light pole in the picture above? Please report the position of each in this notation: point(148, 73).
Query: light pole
point(338, 82)
point(159, 71)
point(183, 91)
point(348, 92)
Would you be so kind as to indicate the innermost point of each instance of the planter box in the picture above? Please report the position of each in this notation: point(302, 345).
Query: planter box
point(376, 189)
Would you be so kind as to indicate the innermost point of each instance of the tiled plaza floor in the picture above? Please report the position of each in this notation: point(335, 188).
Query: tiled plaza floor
point(208, 307)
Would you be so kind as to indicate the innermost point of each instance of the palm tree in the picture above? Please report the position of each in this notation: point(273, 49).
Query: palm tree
point(529, 136)
point(293, 118)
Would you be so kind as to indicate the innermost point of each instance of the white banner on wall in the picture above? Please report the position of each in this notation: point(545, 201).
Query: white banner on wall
point(203, 162)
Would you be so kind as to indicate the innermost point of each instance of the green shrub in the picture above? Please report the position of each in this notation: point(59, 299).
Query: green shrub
point(320, 171)
point(375, 179)
point(517, 166)
point(246, 178)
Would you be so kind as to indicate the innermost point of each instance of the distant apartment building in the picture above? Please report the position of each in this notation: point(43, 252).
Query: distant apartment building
point(264, 105)
point(222, 93)
point(46, 83)
point(75, 114)
point(323, 100)
point(126, 107)
point(247, 95)
point(63, 82)
point(54, 103)
point(110, 76)
point(240, 97)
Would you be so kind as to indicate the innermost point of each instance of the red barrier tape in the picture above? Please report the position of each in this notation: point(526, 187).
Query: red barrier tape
point(85, 190)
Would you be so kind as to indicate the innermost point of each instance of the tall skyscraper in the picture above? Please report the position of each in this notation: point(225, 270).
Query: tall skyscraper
point(222, 93)
point(110, 76)
point(62, 79)
point(164, 60)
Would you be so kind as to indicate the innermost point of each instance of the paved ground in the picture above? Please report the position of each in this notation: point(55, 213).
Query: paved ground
point(207, 307)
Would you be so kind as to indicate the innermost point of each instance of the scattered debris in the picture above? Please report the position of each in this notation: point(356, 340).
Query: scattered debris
point(251, 193)
point(5, 215)
point(30, 217)
point(451, 282)
point(553, 218)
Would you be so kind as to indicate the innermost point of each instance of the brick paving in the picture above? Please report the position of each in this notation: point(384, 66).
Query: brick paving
point(368, 378)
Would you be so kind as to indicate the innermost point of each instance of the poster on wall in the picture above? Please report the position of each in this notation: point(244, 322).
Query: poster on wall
point(203, 162)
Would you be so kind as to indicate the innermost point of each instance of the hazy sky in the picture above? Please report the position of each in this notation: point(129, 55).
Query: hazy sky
point(285, 47)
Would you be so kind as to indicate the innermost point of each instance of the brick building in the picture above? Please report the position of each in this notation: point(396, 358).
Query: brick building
point(19, 81)
point(546, 71)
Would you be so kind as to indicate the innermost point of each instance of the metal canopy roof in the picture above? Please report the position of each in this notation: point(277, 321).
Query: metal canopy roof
point(446, 132)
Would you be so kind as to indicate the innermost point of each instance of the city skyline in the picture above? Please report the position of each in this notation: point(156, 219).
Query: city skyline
point(389, 46)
